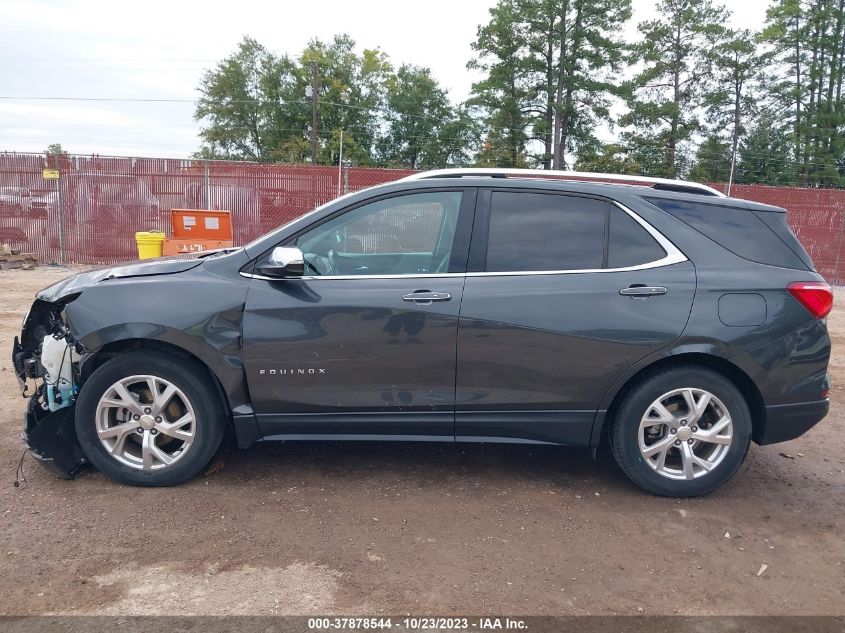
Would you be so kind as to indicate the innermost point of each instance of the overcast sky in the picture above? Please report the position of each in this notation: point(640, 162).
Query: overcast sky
point(158, 50)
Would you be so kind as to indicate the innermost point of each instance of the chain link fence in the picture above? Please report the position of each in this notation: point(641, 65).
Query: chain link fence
point(91, 212)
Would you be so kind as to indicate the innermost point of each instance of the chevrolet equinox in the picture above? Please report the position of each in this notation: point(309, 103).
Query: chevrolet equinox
point(658, 316)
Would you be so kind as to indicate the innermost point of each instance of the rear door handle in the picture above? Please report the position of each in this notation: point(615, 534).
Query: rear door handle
point(426, 297)
point(643, 291)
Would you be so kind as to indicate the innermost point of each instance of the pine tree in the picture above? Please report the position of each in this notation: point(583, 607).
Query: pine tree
point(766, 152)
point(504, 92)
point(731, 99)
point(665, 98)
point(807, 38)
point(557, 61)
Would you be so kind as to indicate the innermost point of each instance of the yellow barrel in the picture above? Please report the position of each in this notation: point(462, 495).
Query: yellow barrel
point(150, 244)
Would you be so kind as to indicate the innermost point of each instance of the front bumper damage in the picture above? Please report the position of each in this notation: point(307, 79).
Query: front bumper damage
point(51, 439)
point(50, 436)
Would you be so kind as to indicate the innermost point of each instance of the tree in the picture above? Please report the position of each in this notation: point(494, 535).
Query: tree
point(807, 38)
point(730, 102)
point(589, 52)
point(550, 73)
point(254, 103)
point(712, 161)
point(607, 158)
point(417, 109)
point(665, 97)
point(502, 94)
point(236, 103)
point(351, 95)
point(55, 149)
point(766, 152)
point(459, 139)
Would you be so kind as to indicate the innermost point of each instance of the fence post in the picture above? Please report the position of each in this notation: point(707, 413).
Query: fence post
point(59, 181)
point(836, 278)
point(207, 186)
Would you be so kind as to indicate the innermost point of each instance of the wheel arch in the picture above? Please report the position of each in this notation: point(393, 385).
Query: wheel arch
point(739, 377)
point(123, 346)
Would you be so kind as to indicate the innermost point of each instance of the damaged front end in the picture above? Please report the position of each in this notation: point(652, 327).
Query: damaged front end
point(46, 362)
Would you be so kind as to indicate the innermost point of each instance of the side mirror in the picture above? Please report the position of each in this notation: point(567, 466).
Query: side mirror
point(284, 261)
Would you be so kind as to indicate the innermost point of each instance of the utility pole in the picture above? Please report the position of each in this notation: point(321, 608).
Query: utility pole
point(314, 113)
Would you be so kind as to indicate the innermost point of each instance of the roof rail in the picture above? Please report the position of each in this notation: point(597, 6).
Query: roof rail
point(664, 184)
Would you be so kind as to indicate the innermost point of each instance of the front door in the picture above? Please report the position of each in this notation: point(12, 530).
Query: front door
point(564, 294)
point(363, 345)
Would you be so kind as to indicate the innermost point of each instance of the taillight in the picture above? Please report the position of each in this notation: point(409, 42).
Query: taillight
point(816, 296)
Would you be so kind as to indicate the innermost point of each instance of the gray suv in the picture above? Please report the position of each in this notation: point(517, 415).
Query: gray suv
point(656, 316)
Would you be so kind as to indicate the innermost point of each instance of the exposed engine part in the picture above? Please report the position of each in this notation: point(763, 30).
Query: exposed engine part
point(59, 359)
point(49, 355)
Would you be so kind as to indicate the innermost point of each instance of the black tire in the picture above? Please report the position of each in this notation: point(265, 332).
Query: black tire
point(636, 401)
point(191, 378)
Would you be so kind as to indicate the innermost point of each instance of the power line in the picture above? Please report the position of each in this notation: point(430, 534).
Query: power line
point(112, 99)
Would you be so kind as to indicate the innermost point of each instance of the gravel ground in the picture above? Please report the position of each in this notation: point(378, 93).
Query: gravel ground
point(416, 528)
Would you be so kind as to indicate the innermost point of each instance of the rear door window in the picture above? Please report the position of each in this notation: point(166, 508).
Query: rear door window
point(554, 232)
point(539, 231)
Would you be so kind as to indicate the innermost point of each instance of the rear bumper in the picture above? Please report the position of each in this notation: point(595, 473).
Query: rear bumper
point(788, 421)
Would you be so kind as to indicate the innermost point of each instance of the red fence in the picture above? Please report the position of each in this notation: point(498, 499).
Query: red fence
point(91, 214)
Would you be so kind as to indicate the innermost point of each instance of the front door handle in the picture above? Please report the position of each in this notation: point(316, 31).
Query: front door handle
point(643, 291)
point(425, 297)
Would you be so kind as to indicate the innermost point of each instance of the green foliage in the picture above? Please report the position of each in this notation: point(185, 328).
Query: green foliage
point(808, 72)
point(550, 73)
point(607, 158)
point(712, 161)
point(506, 89)
point(55, 149)
point(236, 102)
point(731, 100)
point(697, 96)
point(417, 110)
point(254, 106)
point(765, 152)
point(665, 98)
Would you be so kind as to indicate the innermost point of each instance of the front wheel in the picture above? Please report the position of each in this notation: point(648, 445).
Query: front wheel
point(148, 419)
point(681, 432)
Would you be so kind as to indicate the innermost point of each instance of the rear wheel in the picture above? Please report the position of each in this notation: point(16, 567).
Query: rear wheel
point(149, 419)
point(681, 432)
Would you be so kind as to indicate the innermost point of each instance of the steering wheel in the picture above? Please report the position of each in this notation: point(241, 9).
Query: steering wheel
point(309, 264)
point(333, 263)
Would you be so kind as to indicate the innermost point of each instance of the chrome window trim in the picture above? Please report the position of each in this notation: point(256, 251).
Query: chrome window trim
point(673, 256)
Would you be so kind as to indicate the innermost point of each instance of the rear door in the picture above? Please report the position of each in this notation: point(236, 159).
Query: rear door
point(562, 295)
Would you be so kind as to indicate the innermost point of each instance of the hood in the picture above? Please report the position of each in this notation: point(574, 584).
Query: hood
point(79, 282)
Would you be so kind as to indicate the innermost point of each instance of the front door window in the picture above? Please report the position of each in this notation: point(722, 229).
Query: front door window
point(403, 235)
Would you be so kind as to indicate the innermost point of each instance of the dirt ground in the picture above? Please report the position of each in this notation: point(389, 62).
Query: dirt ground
point(439, 529)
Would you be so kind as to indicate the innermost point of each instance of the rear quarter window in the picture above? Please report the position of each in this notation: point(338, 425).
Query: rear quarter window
point(736, 229)
point(629, 243)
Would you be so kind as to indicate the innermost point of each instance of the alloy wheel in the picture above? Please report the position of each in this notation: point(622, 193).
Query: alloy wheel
point(145, 422)
point(685, 433)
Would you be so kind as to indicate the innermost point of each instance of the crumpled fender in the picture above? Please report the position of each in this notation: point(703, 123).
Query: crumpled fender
point(196, 310)
point(81, 281)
